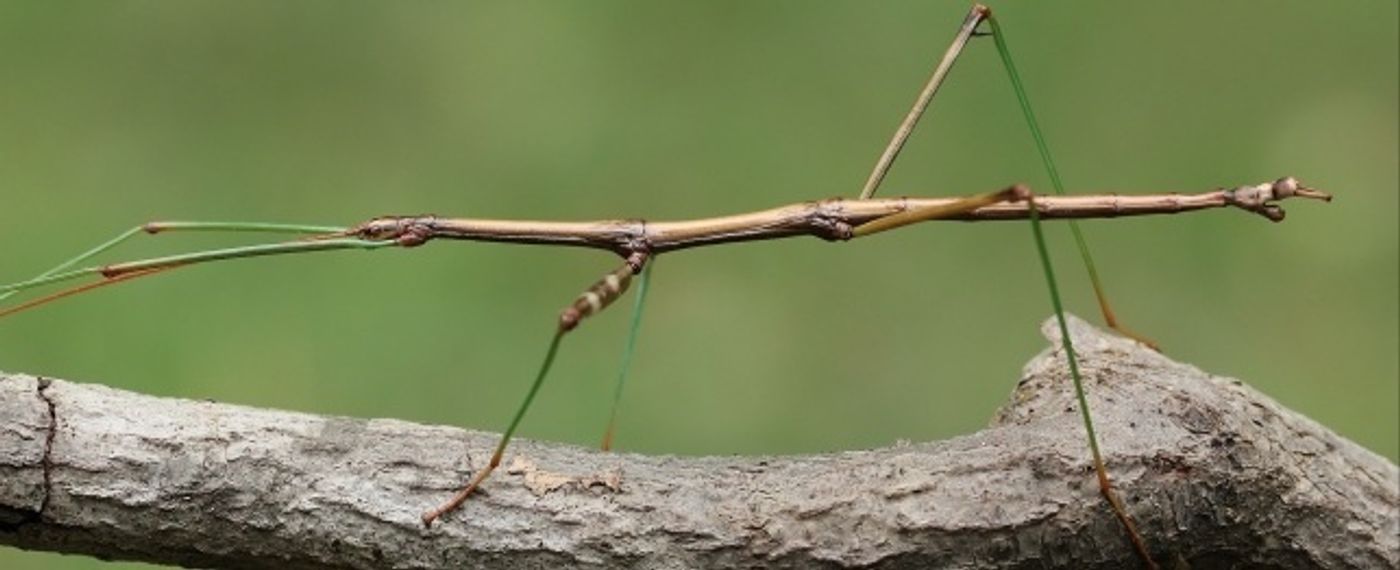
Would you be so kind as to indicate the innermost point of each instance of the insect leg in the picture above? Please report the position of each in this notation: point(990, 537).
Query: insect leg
point(118, 272)
point(960, 206)
point(886, 160)
point(161, 227)
point(627, 351)
point(591, 302)
point(1105, 485)
point(967, 31)
point(1109, 317)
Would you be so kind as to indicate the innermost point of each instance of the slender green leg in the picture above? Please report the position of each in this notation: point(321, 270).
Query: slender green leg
point(1022, 193)
point(1019, 192)
point(481, 475)
point(159, 227)
point(321, 239)
point(967, 31)
point(595, 299)
point(184, 259)
point(627, 351)
point(1108, 316)
point(1105, 485)
point(99, 249)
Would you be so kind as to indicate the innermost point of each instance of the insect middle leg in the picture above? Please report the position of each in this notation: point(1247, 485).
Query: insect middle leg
point(629, 349)
point(591, 302)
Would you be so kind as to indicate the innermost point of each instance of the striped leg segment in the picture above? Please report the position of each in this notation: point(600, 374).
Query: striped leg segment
point(601, 294)
point(591, 302)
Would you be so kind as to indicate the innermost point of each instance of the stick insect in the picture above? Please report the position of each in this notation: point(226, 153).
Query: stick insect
point(639, 243)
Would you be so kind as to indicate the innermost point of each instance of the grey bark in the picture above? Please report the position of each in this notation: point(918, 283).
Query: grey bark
point(1216, 474)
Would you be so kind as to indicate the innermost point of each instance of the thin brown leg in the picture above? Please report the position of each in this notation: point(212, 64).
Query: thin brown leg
point(1121, 512)
point(113, 280)
point(886, 160)
point(960, 206)
point(1018, 193)
point(461, 496)
point(1111, 320)
point(1105, 485)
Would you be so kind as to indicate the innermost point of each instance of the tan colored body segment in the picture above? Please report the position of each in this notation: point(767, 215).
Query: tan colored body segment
point(831, 219)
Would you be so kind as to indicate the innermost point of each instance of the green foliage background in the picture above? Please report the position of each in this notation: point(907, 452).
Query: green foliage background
point(331, 112)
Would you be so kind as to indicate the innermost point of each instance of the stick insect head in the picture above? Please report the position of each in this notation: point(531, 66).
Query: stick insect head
point(407, 231)
point(1288, 187)
point(1260, 198)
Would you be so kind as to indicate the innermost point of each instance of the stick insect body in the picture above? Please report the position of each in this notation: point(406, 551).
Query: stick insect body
point(639, 243)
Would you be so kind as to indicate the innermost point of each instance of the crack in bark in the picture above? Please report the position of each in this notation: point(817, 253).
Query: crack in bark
point(47, 460)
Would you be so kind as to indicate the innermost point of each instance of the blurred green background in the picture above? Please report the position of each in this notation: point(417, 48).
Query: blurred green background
point(331, 112)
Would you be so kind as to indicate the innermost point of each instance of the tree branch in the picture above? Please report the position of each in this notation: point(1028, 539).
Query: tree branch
point(1216, 474)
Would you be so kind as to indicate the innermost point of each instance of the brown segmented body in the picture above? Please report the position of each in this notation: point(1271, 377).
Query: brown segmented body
point(829, 219)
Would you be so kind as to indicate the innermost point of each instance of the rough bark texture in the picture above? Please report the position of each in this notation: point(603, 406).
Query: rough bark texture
point(1216, 474)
